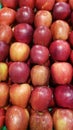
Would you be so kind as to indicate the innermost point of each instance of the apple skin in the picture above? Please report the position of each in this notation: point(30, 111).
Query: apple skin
point(71, 4)
point(3, 71)
point(19, 51)
point(4, 51)
point(59, 50)
point(42, 36)
point(41, 121)
point(2, 117)
point(70, 38)
point(30, 3)
point(71, 57)
point(40, 98)
point(44, 5)
point(20, 94)
point(25, 15)
point(16, 118)
point(5, 33)
point(41, 18)
point(4, 94)
point(10, 3)
point(37, 72)
point(61, 72)
point(60, 30)
point(7, 15)
point(19, 72)
point(63, 119)
point(39, 54)
point(23, 32)
point(64, 96)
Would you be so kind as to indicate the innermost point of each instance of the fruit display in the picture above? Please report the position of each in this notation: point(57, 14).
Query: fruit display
point(36, 64)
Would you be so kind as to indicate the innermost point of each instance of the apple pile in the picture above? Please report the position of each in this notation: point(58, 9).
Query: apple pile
point(36, 65)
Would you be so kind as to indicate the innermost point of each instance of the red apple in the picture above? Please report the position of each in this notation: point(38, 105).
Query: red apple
point(40, 75)
point(2, 117)
point(72, 18)
point(61, 72)
point(7, 15)
point(60, 50)
point(39, 54)
point(61, 10)
point(60, 30)
point(4, 50)
point(63, 119)
point(4, 94)
point(40, 98)
point(64, 96)
point(5, 33)
point(25, 15)
point(30, 3)
point(19, 51)
point(23, 32)
point(10, 3)
point(44, 4)
point(41, 121)
point(16, 118)
point(19, 72)
point(43, 18)
point(3, 71)
point(42, 36)
point(71, 4)
point(20, 94)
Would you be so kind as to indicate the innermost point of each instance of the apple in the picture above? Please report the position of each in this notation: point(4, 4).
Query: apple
point(39, 72)
point(63, 119)
point(19, 51)
point(43, 18)
point(16, 118)
point(41, 121)
point(44, 5)
point(20, 94)
point(59, 50)
point(25, 15)
point(19, 72)
point(7, 15)
point(61, 72)
point(60, 30)
point(42, 36)
point(4, 51)
point(64, 96)
point(2, 117)
point(10, 3)
point(71, 4)
point(3, 71)
point(61, 10)
point(39, 54)
point(5, 33)
point(30, 3)
point(40, 98)
point(4, 94)
point(23, 32)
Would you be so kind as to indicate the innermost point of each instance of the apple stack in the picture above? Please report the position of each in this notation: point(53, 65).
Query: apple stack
point(36, 64)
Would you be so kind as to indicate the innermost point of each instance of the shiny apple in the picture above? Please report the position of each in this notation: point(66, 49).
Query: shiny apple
point(40, 98)
point(19, 51)
point(19, 72)
point(61, 72)
point(16, 118)
point(37, 72)
point(3, 71)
